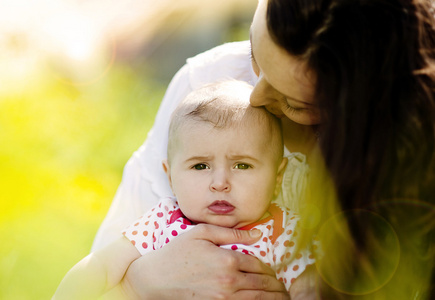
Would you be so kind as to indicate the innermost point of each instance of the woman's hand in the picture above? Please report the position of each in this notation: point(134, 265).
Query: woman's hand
point(192, 266)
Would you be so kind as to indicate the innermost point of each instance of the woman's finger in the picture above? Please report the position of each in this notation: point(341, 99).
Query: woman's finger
point(260, 282)
point(250, 294)
point(251, 264)
point(223, 236)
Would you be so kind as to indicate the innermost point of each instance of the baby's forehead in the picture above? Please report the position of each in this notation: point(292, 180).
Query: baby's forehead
point(223, 106)
point(250, 128)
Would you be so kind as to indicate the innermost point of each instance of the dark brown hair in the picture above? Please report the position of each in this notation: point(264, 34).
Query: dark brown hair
point(375, 85)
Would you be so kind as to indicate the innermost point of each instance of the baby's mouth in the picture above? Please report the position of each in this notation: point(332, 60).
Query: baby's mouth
point(221, 207)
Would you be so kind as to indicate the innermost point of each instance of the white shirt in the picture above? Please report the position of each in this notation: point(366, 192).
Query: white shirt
point(144, 181)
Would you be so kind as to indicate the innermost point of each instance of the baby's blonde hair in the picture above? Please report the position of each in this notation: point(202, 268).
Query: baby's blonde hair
point(224, 104)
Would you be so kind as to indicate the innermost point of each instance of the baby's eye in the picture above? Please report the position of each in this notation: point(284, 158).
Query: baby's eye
point(242, 166)
point(200, 167)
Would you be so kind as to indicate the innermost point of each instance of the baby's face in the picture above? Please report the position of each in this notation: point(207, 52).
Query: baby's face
point(225, 177)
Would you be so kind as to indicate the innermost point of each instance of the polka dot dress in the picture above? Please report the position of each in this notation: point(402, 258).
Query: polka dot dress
point(277, 247)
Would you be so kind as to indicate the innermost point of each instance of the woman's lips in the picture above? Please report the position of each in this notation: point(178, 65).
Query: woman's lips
point(221, 207)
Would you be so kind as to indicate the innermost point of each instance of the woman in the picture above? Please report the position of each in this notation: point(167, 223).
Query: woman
point(372, 64)
point(362, 73)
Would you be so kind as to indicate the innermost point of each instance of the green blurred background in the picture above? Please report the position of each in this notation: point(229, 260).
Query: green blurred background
point(80, 84)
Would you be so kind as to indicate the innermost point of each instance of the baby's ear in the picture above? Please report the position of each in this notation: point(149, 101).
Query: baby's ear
point(280, 176)
point(167, 170)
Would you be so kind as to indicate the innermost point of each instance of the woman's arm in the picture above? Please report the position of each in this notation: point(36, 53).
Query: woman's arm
point(98, 272)
point(192, 266)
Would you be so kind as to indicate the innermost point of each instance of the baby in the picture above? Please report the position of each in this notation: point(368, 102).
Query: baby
point(225, 166)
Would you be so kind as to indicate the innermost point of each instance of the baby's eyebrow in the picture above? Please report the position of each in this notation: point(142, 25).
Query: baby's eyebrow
point(198, 158)
point(243, 157)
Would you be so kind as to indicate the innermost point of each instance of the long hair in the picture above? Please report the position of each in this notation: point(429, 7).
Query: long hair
point(375, 85)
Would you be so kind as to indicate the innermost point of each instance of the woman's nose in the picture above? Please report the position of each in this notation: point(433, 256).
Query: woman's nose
point(264, 94)
point(220, 181)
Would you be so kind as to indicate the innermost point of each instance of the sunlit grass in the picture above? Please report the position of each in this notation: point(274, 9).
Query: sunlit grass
point(63, 148)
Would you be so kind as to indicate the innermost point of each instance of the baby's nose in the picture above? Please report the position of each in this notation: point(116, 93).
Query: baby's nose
point(220, 181)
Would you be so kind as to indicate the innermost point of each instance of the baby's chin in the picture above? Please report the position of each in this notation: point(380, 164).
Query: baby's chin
point(236, 224)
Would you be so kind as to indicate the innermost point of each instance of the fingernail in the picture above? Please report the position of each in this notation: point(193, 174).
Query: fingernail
point(255, 233)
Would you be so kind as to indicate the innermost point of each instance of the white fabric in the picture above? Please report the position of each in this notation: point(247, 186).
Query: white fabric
point(144, 181)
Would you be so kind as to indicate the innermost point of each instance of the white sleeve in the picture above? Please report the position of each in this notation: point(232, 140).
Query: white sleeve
point(144, 181)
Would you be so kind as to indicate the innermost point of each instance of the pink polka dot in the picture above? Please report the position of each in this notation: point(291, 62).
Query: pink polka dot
point(234, 247)
point(136, 224)
point(133, 242)
point(295, 268)
point(265, 239)
point(269, 227)
point(147, 222)
point(292, 280)
point(285, 268)
point(134, 232)
point(174, 233)
point(166, 208)
point(183, 226)
point(167, 240)
point(257, 246)
point(145, 233)
point(245, 251)
point(289, 231)
point(298, 256)
point(156, 225)
point(144, 245)
point(159, 214)
point(262, 253)
point(311, 256)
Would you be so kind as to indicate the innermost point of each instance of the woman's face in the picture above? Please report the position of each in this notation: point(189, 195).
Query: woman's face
point(285, 87)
